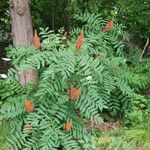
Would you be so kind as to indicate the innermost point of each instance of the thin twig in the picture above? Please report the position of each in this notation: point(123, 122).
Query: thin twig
point(147, 42)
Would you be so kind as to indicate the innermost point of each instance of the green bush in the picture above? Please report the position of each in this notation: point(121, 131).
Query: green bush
point(76, 85)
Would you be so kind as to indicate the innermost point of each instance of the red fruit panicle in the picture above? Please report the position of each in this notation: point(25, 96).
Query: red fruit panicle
point(109, 25)
point(74, 93)
point(29, 106)
point(79, 41)
point(36, 40)
point(68, 126)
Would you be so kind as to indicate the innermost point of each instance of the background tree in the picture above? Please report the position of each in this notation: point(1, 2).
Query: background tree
point(22, 32)
point(55, 14)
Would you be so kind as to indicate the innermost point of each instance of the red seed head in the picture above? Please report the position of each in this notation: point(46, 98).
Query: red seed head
point(108, 26)
point(68, 126)
point(36, 40)
point(29, 106)
point(79, 41)
point(74, 93)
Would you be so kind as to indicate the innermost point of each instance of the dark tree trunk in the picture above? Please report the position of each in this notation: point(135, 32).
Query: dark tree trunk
point(22, 33)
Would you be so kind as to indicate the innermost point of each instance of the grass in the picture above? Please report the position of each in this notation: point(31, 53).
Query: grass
point(123, 139)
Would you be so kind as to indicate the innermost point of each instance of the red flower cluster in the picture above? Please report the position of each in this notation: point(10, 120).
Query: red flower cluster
point(36, 40)
point(108, 26)
point(68, 126)
point(74, 93)
point(79, 41)
point(29, 106)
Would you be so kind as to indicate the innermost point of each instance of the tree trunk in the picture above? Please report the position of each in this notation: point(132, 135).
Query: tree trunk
point(22, 33)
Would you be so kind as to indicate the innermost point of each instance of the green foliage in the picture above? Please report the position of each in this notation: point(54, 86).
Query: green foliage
point(61, 66)
point(4, 23)
point(4, 14)
point(3, 131)
point(123, 139)
point(139, 79)
point(9, 88)
point(134, 14)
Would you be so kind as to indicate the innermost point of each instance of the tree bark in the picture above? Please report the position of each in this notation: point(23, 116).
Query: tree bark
point(22, 33)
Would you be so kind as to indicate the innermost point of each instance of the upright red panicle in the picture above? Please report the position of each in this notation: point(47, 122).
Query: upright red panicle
point(68, 126)
point(74, 93)
point(108, 26)
point(79, 41)
point(29, 106)
point(36, 40)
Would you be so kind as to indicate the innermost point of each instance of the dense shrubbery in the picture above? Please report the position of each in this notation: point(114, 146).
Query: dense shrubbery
point(78, 82)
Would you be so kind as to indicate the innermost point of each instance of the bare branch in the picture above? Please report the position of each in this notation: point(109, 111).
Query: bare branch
point(147, 42)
